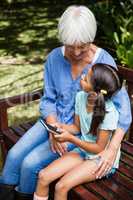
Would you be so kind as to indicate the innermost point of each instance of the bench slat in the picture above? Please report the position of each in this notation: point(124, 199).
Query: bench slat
point(10, 135)
point(26, 126)
point(126, 159)
point(123, 180)
point(18, 130)
point(101, 190)
point(120, 190)
point(80, 193)
point(127, 147)
point(126, 170)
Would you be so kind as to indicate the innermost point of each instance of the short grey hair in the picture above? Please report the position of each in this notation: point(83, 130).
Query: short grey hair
point(77, 25)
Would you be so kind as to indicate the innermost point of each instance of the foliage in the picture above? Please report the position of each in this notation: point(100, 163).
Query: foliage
point(124, 42)
point(115, 28)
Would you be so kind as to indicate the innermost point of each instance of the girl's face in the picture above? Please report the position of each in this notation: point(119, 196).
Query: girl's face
point(86, 83)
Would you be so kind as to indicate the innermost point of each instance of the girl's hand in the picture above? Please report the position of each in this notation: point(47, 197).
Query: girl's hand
point(65, 136)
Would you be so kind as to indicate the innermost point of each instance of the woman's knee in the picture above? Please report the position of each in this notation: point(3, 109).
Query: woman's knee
point(12, 154)
point(28, 165)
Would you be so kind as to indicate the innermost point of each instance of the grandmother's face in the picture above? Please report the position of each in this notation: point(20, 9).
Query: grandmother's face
point(77, 51)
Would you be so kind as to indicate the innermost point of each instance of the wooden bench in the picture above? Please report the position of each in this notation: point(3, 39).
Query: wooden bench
point(119, 186)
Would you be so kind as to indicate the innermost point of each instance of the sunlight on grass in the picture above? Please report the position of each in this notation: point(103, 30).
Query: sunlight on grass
point(19, 79)
point(4, 23)
point(15, 80)
point(23, 113)
point(23, 52)
point(27, 36)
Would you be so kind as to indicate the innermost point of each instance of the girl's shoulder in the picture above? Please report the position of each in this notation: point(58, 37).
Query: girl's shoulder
point(81, 96)
point(111, 117)
point(109, 106)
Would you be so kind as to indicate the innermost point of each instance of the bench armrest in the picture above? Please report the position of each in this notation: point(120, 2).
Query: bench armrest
point(13, 101)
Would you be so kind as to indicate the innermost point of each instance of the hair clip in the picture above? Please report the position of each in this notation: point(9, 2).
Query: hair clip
point(104, 92)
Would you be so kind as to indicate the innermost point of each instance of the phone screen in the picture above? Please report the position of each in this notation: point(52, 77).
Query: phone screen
point(49, 127)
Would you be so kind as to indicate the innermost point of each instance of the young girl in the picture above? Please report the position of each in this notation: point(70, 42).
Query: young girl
point(96, 118)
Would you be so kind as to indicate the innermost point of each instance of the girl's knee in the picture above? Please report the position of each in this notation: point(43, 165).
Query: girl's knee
point(62, 187)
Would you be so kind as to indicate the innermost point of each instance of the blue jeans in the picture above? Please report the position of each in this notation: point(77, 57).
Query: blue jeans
point(27, 157)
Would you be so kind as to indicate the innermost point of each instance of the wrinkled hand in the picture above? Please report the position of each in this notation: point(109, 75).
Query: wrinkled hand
point(65, 136)
point(58, 147)
point(107, 158)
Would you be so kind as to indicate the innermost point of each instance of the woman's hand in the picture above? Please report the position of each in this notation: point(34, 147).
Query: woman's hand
point(60, 148)
point(107, 158)
point(65, 136)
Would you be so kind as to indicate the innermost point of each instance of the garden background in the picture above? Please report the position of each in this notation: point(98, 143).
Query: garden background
point(28, 31)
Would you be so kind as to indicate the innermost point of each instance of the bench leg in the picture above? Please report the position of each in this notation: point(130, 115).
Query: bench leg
point(3, 148)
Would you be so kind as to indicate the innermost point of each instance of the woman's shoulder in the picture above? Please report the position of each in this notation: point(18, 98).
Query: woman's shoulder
point(54, 58)
point(54, 52)
point(106, 57)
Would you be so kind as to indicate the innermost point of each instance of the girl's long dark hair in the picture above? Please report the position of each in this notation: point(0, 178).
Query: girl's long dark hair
point(107, 78)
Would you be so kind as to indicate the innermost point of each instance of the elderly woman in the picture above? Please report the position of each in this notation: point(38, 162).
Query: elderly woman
point(63, 70)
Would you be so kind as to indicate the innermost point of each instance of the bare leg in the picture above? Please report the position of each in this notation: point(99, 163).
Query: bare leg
point(80, 174)
point(55, 170)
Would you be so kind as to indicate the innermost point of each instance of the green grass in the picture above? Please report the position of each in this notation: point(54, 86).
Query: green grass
point(27, 34)
point(18, 79)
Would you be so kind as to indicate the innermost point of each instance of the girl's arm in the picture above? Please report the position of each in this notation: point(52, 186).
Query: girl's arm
point(101, 142)
point(97, 147)
point(72, 128)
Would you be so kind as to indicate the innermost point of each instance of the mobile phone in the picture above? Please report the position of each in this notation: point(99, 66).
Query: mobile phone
point(50, 128)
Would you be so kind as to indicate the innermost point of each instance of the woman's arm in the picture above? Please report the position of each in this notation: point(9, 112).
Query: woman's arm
point(116, 140)
point(48, 101)
point(48, 106)
point(122, 103)
point(108, 156)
